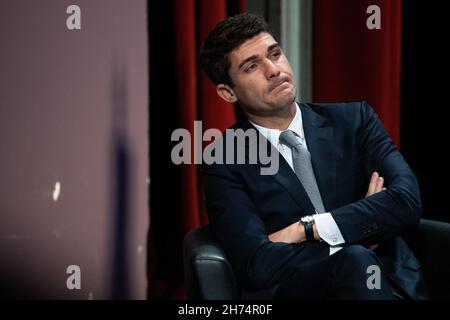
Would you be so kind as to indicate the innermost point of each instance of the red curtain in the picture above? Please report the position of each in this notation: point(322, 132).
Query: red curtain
point(353, 63)
point(186, 67)
point(194, 19)
point(179, 84)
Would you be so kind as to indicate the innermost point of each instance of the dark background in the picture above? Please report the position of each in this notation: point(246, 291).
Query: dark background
point(425, 102)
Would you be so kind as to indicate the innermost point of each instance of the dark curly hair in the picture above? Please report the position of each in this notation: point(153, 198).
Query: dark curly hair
point(224, 38)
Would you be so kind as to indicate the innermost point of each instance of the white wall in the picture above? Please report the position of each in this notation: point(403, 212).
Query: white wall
point(73, 109)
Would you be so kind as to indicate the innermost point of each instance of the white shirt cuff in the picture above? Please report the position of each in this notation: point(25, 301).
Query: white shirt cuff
point(328, 229)
point(335, 249)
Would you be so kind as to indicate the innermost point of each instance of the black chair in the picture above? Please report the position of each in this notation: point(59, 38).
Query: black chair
point(209, 275)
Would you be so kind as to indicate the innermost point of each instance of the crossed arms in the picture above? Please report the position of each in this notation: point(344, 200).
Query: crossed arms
point(295, 233)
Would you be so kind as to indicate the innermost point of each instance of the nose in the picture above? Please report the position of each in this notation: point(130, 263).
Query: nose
point(272, 70)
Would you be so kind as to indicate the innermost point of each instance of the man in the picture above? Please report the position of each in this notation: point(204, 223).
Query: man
point(312, 229)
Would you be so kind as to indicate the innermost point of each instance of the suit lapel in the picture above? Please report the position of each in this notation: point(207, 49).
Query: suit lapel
point(287, 179)
point(285, 176)
point(320, 140)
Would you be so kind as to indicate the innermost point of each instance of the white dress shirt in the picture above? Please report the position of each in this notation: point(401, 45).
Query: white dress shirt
point(326, 225)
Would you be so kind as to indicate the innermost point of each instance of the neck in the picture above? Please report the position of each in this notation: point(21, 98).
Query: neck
point(280, 121)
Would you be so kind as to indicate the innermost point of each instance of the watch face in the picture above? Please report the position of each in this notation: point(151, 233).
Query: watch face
point(307, 219)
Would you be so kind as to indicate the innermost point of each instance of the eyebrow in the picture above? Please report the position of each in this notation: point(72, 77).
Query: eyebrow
point(255, 56)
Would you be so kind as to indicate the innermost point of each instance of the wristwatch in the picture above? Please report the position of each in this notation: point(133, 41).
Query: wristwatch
point(308, 222)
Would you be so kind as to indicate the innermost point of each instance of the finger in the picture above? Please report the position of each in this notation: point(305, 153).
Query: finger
point(372, 184)
point(380, 184)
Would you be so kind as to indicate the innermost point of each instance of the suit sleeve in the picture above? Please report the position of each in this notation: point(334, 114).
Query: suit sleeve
point(386, 213)
point(234, 220)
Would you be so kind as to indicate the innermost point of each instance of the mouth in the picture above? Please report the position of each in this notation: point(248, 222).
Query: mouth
point(278, 84)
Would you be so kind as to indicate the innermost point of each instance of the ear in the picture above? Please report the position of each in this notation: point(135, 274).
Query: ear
point(226, 93)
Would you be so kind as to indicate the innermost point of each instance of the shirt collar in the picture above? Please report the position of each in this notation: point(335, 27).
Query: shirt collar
point(273, 135)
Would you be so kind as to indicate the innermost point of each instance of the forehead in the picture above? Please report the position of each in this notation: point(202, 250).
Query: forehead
point(254, 46)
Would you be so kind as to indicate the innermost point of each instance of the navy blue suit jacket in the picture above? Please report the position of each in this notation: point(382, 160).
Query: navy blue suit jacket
point(347, 143)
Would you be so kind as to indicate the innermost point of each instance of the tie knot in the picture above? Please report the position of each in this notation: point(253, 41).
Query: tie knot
point(288, 138)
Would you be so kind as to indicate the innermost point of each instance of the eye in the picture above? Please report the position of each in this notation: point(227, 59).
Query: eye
point(276, 54)
point(251, 67)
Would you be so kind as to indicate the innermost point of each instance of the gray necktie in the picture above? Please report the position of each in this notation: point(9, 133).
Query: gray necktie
point(301, 158)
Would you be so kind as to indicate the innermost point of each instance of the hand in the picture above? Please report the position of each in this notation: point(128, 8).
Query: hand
point(293, 233)
point(376, 185)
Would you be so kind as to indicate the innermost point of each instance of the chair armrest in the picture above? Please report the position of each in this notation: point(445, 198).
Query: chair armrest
point(208, 274)
point(431, 244)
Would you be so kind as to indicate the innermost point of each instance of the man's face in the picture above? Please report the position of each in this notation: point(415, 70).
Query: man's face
point(263, 79)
